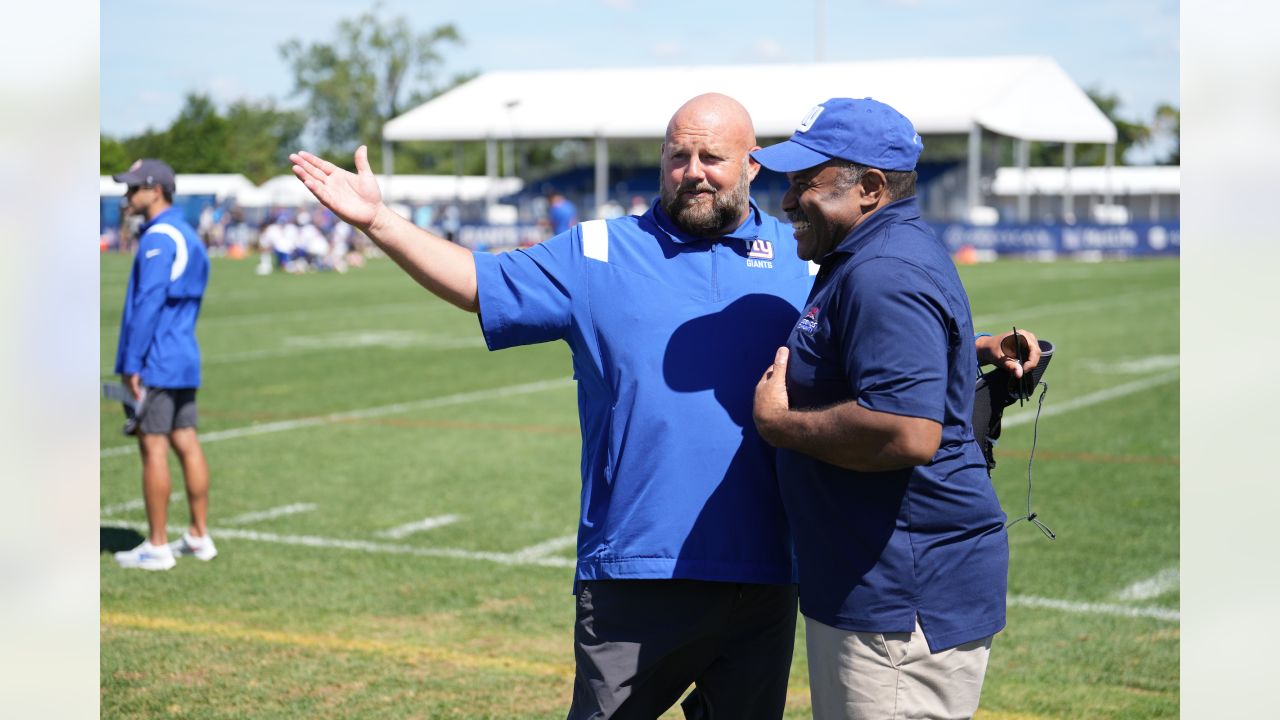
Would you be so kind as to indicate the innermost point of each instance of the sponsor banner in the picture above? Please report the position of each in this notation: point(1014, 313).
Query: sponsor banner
point(1131, 239)
point(499, 237)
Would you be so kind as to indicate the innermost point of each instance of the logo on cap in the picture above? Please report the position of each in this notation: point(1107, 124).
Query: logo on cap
point(810, 119)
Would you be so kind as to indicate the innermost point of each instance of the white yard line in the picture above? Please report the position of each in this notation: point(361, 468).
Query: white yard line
point(1153, 587)
point(543, 549)
point(403, 531)
point(523, 557)
point(370, 547)
point(298, 423)
point(270, 514)
point(131, 505)
point(1088, 608)
point(1094, 398)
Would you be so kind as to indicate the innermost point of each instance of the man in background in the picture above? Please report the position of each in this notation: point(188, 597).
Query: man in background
point(158, 360)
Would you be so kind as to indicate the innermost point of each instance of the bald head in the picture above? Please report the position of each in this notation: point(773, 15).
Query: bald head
point(706, 165)
point(713, 112)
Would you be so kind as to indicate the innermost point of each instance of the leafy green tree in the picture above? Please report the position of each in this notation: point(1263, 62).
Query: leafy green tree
point(112, 156)
point(369, 73)
point(260, 138)
point(1168, 125)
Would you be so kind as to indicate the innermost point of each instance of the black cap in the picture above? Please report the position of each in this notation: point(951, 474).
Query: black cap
point(149, 173)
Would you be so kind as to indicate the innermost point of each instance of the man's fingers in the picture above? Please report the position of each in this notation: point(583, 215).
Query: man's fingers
point(306, 170)
point(362, 160)
point(780, 358)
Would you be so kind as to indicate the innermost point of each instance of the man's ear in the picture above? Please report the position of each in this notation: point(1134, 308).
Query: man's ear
point(875, 187)
point(753, 167)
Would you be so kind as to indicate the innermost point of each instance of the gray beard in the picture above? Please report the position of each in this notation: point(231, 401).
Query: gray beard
point(706, 221)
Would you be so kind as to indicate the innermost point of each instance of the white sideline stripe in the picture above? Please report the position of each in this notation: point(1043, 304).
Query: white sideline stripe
point(1137, 366)
point(1103, 303)
point(298, 423)
point(545, 548)
point(1088, 608)
point(270, 514)
point(423, 525)
point(131, 505)
point(1093, 398)
point(372, 547)
point(517, 559)
point(1153, 587)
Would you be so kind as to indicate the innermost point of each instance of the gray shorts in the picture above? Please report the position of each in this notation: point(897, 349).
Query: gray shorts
point(164, 410)
point(639, 644)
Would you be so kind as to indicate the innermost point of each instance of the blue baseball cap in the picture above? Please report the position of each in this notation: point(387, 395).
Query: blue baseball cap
point(864, 131)
point(148, 172)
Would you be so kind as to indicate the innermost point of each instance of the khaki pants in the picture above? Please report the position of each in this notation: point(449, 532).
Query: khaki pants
point(891, 676)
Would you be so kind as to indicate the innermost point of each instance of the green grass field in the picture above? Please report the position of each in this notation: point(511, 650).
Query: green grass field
point(337, 411)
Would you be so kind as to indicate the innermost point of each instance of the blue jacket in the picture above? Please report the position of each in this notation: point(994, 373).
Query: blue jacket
point(669, 335)
point(166, 286)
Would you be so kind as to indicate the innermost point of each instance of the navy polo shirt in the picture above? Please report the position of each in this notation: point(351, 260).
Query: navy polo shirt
point(669, 335)
point(887, 324)
point(162, 302)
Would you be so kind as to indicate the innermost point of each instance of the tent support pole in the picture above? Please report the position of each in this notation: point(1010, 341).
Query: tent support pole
point(1024, 190)
point(490, 168)
point(1068, 199)
point(975, 169)
point(602, 172)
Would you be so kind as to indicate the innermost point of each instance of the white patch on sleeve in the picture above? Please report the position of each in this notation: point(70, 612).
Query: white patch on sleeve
point(152, 253)
point(595, 240)
point(180, 259)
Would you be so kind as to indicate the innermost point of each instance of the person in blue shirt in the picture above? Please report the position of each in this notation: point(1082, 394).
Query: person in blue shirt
point(685, 573)
point(158, 360)
point(561, 213)
point(900, 539)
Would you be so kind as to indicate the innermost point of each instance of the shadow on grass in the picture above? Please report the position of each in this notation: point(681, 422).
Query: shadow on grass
point(113, 539)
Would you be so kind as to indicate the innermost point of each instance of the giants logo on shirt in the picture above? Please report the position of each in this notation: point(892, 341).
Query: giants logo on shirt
point(809, 323)
point(760, 254)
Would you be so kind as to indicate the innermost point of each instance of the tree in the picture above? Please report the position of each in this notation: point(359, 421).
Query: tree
point(356, 83)
point(1168, 127)
point(112, 156)
point(252, 138)
point(260, 138)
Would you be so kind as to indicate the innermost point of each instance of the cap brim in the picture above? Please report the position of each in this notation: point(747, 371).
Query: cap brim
point(788, 156)
point(127, 178)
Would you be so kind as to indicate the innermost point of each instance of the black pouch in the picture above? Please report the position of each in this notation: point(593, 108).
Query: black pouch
point(996, 390)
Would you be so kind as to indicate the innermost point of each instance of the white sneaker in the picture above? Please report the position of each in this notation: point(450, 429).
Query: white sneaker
point(147, 557)
point(201, 548)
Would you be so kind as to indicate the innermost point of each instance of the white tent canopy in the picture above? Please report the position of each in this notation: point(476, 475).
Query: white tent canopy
point(1138, 180)
point(1028, 98)
point(220, 186)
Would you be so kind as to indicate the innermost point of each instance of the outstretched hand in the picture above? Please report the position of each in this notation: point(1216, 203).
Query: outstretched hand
point(354, 197)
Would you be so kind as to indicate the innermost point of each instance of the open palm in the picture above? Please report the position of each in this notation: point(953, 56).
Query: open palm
point(354, 197)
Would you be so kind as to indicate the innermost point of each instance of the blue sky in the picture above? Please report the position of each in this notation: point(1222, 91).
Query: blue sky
point(154, 52)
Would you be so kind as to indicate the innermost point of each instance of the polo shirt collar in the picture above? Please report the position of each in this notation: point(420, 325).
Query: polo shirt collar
point(903, 210)
point(167, 215)
point(748, 230)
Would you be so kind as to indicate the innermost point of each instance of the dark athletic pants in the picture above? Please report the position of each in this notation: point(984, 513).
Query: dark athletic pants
point(639, 644)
